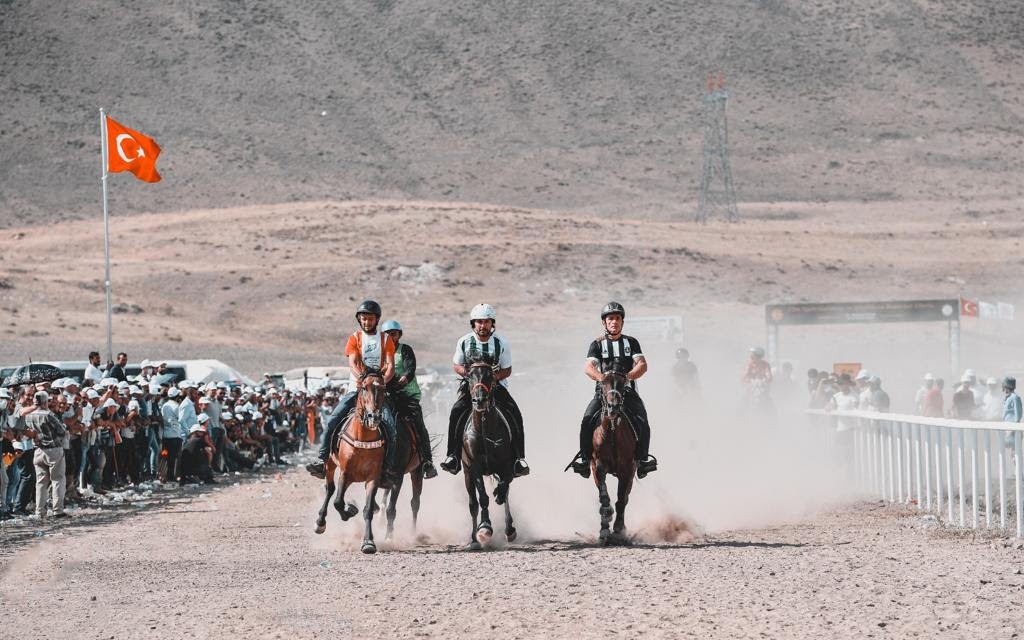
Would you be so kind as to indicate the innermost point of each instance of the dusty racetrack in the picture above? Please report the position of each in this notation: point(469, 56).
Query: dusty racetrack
point(242, 561)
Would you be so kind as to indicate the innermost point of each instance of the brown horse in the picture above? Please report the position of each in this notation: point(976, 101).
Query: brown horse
point(614, 445)
point(360, 458)
point(407, 451)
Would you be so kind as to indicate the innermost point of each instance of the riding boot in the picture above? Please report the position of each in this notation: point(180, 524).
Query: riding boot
point(581, 464)
point(645, 462)
point(423, 442)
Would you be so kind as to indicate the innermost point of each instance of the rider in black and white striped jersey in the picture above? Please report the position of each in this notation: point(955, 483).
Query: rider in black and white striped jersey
point(616, 350)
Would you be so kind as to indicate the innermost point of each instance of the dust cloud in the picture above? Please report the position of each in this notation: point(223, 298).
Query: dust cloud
point(719, 469)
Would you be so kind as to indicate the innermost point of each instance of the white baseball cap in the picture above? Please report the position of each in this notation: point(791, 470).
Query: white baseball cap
point(204, 400)
point(202, 418)
point(146, 363)
point(92, 394)
point(863, 375)
point(186, 384)
point(929, 376)
point(110, 402)
point(173, 392)
point(196, 427)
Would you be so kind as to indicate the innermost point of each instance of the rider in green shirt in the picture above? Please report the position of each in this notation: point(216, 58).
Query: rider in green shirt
point(405, 394)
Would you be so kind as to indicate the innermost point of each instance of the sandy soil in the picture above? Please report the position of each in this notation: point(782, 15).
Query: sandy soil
point(242, 561)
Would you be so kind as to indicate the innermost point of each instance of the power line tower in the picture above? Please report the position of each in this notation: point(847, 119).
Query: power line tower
point(716, 190)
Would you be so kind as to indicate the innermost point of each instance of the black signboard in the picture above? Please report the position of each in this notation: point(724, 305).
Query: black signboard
point(859, 312)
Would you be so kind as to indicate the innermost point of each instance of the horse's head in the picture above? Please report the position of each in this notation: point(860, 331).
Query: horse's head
point(613, 385)
point(371, 398)
point(481, 383)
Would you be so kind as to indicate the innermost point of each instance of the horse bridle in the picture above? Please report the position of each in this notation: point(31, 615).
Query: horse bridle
point(606, 405)
point(369, 416)
point(480, 385)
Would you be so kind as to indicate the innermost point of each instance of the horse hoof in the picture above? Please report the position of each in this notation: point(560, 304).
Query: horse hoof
point(511, 535)
point(484, 535)
point(368, 548)
point(604, 535)
point(474, 546)
point(320, 528)
point(350, 510)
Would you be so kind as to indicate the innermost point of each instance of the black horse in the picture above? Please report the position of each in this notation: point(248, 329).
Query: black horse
point(486, 451)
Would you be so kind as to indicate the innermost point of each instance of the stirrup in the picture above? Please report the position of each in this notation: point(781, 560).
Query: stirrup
point(451, 465)
point(521, 468)
point(643, 467)
point(581, 466)
point(317, 469)
point(427, 467)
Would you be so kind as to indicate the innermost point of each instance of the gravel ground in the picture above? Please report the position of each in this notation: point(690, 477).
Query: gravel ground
point(241, 560)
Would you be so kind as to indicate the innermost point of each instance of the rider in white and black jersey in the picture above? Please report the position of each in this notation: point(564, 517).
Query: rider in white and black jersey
point(483, 342)
point(623, 353)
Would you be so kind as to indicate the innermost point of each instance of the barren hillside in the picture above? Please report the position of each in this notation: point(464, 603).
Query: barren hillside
point(552, 104)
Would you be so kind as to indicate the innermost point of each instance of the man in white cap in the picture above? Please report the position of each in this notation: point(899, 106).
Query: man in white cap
point(992, 404)
point(862, 380)
point(171, 435)
point(196, 453)
point(211, 406)
point(187, 408)
point(49, 432)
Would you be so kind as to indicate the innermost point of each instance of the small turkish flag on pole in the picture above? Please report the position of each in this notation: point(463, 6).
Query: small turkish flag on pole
point(129, 150)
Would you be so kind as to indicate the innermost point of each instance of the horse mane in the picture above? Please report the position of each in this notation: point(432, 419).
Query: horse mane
point(371, 371)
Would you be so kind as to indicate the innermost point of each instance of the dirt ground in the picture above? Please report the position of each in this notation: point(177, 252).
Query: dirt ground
point(242, 561)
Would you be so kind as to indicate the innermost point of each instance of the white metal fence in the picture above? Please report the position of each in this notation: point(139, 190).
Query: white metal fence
point(961, 470)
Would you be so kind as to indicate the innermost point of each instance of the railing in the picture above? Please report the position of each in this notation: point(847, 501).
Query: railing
point(913, 459)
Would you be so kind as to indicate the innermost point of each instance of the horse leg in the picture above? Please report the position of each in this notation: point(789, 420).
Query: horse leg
point(392, 509)
point(484, 531)
point(625, 486)
point(370, 508)
point(510, 529)
point(346, 511)
point(474, 507)
point(321, 520)
point(417, 490)
point(601, 479)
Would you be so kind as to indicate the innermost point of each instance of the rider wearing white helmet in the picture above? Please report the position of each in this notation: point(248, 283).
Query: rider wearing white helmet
point(483, 342)
point(616, 350)
point(366, 348)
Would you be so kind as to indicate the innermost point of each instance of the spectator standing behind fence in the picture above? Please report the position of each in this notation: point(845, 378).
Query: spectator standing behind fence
point(846, 399)
point(932, 404)
point(1012, 404)
point(879, 399)
point(49, 433)
point(963, 407)
point(992, 403)
point(926, 386)
point(863, 389)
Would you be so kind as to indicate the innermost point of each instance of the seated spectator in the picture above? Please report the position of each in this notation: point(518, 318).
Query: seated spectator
point(196, 453)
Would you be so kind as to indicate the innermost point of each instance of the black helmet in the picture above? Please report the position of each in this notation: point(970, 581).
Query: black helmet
point(1010, 382)
point(612, 308)
point(682, 352)
point(369, 306)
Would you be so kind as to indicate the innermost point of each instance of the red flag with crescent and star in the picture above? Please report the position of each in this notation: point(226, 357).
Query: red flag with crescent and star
point(129, 150)
point(968, 308)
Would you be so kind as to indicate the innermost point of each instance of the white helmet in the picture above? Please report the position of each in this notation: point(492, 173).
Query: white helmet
point(482, 311)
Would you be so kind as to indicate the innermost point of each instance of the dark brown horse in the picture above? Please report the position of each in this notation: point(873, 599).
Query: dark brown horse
point(359, 457)
point(407, 450)
point(486, 451)
point(614, 445)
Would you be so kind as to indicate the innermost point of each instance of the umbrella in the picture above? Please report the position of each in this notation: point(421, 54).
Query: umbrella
point(166, 378)
point(33, 373)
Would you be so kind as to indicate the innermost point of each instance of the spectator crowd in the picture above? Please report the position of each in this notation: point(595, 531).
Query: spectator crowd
point(71, 440)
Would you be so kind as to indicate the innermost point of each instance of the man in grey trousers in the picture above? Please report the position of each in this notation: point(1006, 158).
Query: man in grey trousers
point(49, 460)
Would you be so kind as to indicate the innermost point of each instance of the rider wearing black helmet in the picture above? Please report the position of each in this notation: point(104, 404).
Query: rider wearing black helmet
point(366, 348)
point(685, 374)
point(614, 349)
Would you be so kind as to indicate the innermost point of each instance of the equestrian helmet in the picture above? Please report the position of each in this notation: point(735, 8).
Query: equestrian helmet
point(369, 306)
point(390, 325)
point(482, 311)
point(613, 308)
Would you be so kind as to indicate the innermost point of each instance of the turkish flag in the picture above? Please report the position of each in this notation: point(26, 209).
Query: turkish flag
point(129, 150)
point(968, 308)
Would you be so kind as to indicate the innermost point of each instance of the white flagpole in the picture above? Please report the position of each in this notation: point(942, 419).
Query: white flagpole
point(106, 232)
